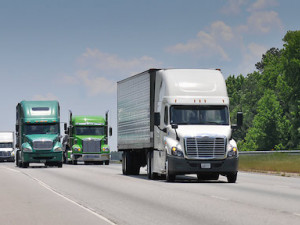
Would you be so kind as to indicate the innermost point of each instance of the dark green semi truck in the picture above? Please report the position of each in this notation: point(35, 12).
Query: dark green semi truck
point(38, 133)
point(86, 140)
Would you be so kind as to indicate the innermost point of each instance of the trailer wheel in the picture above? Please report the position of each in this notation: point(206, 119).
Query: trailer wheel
point(125, 158)
point(231, 177)
point(130, 164)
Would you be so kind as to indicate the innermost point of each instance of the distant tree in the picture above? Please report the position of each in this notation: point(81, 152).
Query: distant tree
point(271, 53)
point(291, 53)
point(269, 99)
point(268, 124)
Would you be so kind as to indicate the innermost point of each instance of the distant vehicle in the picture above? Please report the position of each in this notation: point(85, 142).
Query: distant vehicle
point(7, 142)
point(176, 121)
point(86, 140)
point(38, 133)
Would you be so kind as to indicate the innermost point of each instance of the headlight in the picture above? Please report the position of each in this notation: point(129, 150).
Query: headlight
point(77, 149)
point(176, 152)
point(105, 149)
point(232, 152)
point(58, 149)
point(27, 150)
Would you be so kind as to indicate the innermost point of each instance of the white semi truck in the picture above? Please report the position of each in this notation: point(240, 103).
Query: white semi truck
point(7, 142)
point(176, 121)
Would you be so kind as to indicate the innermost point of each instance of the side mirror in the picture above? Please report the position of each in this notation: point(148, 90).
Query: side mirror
point(239, 120)
point(110, 131)
point(239, 117)
point(156, 119)
point(175, 126)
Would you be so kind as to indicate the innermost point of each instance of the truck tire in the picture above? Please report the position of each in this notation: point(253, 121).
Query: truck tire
point(231, 177)
point(150, 174)
point(25, 164)
point(64, 158)
point(19, 161)
point(169, 176)
point(125, 163)
point(107, 162)
point(130, 164)
point(60, 165)
point(17, 158)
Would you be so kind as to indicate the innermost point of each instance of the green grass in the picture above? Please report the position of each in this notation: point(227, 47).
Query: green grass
point(280, 163)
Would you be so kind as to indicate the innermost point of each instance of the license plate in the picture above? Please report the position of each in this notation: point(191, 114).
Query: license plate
point(205, 165)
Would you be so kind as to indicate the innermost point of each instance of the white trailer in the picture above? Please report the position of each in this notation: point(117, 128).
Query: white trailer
point(7, 142)
point(176, 121)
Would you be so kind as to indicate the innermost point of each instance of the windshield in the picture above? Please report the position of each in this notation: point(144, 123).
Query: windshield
point(6, 145)
point(90, 130)
point(204, 115)
point(50, 128)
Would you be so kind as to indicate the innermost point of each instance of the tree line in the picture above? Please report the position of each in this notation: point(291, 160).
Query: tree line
point(269, 99)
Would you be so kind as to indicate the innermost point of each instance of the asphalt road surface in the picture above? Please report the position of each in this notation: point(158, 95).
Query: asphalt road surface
point(99, 194)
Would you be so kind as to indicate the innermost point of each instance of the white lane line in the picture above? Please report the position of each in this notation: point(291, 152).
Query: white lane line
point(90, 210)
point(220, 198)
point(5, 167)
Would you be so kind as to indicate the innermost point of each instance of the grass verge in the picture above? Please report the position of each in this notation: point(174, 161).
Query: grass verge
point(280, 163)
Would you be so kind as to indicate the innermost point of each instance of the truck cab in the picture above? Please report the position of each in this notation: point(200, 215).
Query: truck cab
point(7, 142)
point(38, 133)
point(194, 131)
point(86, 140)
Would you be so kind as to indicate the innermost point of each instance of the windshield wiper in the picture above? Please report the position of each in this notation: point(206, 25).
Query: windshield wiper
point(214, 123)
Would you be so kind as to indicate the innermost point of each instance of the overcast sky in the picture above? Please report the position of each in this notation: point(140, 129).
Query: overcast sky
point(74, 51)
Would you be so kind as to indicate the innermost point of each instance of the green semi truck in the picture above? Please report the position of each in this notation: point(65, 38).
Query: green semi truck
point(86, 140)
point(38, 133)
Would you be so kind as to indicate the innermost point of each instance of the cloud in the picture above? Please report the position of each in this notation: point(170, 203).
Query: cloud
point(99, 71)
point(263, 22)
point(233, 7)
point(251, 55)
point(48, 96)
point(207, 43)
point(96, 85)
point(262, 4)
point(114, 65)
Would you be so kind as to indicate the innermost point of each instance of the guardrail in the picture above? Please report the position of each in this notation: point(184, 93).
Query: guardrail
point(296, 152)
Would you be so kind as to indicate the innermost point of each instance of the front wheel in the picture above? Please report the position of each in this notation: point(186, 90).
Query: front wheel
point(231, 178)
point(169, 176)
point(25, 165)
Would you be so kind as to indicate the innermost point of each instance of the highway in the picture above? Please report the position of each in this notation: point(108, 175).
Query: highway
point(100, 194)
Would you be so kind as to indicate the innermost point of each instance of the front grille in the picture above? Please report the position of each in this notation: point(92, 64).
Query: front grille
point(43, 145)
point(91, 145)
point(5, 154)
point(206, 147)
